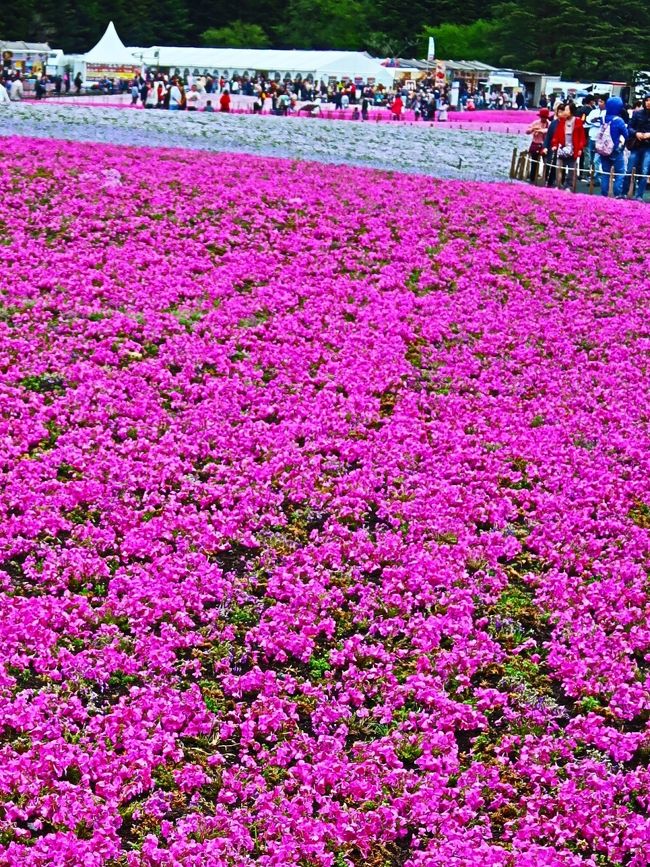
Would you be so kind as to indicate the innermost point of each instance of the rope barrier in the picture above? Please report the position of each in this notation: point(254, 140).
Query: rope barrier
point(537, 169)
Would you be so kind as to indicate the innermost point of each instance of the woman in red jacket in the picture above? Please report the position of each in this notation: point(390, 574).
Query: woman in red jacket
point(570, 140)
point(224, 102)
point(396, 108)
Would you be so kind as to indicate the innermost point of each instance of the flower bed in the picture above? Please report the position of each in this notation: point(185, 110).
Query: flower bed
point(324, 518)
point(424, 148)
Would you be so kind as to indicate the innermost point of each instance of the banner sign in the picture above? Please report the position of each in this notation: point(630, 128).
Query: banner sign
point(97, 71)
point(431, 53)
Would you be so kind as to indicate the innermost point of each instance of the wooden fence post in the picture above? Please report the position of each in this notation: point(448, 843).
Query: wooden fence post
point(610, 189)
point(630, 193)
point(513, 163)
point(546, 169)
point(521, 165)
point(592, 177)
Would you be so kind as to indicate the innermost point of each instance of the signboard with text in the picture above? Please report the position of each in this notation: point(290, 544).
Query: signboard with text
point(98, 71)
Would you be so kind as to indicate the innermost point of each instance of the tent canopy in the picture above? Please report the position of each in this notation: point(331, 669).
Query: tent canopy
point(356, 65)
point(503, 81)
point(320, 64)
point(110, 50)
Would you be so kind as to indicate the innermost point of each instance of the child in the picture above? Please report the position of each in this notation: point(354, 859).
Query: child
point(208, 106)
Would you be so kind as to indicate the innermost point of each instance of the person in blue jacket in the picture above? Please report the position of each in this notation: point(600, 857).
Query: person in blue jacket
point(640, 152)
point(614, 109)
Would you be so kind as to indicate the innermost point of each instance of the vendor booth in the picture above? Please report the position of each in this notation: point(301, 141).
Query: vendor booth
point(110, 59)
point(28, 58)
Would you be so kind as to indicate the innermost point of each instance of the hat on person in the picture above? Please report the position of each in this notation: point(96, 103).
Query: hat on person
point(544, 112)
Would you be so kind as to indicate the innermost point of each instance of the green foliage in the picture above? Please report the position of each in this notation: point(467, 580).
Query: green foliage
point(323, 24)
point(44, 383)
point(238, 34)
point(318, 665)
point(473, 41)
point(588, 39)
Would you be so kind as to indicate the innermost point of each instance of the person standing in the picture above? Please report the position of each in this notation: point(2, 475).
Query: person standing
point(224, 102)
point(593, 123)
point(610, 144)
point(16, 92)
point(78, 81)
point(569, 139)
point(639, 160)
point(4, 96)
point(538, 130)
point(175, 96)
point(40, 88)
point(193, 98)
point(160, 91)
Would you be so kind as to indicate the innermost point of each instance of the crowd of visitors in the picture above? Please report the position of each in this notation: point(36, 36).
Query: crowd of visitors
point(293, 96)
point(13, 83)
point(600, 138)
point(426, 99)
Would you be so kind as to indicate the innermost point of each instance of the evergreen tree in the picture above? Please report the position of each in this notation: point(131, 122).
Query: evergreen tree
point(236, 35)
point(341, 24)
point(587, 39)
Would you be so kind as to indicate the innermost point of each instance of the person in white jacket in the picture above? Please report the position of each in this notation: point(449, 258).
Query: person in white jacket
point(4, 96)
point(593, 122)
point(17, 91)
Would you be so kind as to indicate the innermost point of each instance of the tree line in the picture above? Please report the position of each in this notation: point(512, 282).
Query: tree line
point(586, 39)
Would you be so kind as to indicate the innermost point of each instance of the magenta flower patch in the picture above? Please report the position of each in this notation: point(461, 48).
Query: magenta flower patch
point(325, 516)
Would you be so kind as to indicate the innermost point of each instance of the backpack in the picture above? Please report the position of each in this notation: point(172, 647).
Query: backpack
point(604, 141)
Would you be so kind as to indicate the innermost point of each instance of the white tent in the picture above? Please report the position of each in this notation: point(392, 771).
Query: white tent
point(319, 64)
point(111, 51)
point(503, 80)
point(354, 64)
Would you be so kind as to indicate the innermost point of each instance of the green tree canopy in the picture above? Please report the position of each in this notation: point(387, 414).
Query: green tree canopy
point(475, 41)
point(323, 24)
point(588, 39)
point(239, 34)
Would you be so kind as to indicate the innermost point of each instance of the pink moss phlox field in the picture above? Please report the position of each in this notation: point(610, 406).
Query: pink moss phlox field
point(325, 517)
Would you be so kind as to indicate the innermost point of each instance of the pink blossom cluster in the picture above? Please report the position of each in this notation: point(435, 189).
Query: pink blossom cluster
point(324, 515)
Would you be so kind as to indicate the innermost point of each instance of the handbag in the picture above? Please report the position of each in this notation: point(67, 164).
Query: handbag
point(565, 152)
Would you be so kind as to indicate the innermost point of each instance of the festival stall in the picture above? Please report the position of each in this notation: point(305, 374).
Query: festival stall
point(28, 58)
point(111, 59)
